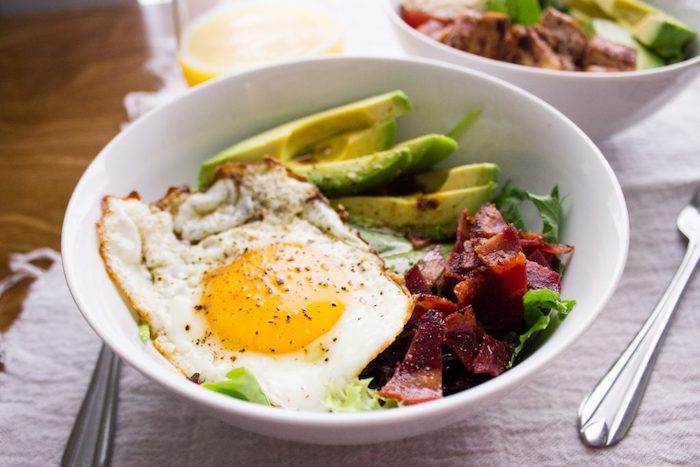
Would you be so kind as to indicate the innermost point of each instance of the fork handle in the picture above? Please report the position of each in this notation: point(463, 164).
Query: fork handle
point(90, 439)
point(606, 414)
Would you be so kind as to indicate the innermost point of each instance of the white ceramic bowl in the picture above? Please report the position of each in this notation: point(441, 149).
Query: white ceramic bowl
point(534, 144)
point(600, 103)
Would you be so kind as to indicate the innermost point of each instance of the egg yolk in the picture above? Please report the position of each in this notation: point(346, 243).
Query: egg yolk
point(275, 299)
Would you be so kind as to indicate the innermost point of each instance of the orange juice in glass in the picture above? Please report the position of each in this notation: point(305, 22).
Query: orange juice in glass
point(221, 37)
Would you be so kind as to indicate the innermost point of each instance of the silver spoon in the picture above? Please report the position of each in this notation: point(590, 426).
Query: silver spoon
point(90, 440)
point(606, 414)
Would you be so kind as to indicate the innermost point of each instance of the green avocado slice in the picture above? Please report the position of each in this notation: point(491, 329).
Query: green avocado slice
point(351, 176)
point(662, 33)
point(286, 141)
point(353, 144)
point(463, 176)
point(434, 215)
point(427, 151)
point(614, 32)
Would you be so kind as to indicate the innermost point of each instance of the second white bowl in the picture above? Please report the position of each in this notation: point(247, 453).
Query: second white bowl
point(600, 103)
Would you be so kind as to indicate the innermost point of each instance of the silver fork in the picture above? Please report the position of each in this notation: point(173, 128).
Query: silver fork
point(606, 414)
point(90, 440)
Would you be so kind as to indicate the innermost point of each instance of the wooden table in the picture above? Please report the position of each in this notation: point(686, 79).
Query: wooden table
point(63, 77)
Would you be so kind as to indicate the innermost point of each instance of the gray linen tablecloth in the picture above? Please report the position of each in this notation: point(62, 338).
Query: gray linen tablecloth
point(47, 355)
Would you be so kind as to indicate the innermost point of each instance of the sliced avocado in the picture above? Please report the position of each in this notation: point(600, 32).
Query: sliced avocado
point(287, 140)
point(340, 178)
point(434, 215)
point(662, 33)
point(427, 151)
point(456, 178)
point(352, 144)
point(586, 9)
point(614, 32)
point(665, 36)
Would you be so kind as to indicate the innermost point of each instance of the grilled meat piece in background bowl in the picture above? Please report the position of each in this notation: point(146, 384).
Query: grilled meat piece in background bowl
point(599, 75)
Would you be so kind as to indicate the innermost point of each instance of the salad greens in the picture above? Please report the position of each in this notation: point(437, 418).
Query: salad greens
point(356, 396)
point(397, 252)
point(549, 207)
point(525, 12)
point(544, 310)
point(242, 385)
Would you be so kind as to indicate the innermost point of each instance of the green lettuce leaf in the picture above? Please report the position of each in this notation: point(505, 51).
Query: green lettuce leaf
point(242, 385)
point(356, 396)
point(397, 252)
point(544, 311)
point(549, 206)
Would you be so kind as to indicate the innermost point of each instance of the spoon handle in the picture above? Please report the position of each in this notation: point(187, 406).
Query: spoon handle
point(90, 439)
point(606, 414)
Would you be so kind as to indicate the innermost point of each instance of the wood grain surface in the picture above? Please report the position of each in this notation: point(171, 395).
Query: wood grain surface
point(63, 77)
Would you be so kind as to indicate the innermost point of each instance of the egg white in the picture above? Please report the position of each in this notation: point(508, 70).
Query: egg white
point(158, 256)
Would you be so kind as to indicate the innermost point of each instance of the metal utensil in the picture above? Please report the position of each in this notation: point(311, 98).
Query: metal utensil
point(90, 440)
point(606, 414)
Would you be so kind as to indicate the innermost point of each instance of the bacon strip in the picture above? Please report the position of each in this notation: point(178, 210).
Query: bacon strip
point(418, 378)
point(493, 356)
point(463, 336)
point(541, 277)
point(425, 303)
point(422, 276)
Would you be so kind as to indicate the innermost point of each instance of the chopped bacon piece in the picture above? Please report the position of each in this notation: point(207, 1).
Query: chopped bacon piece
point(468, 289)
point(423, 275)
point(530, 241)
point(464, 231)
point(415, 282)
point(542, 277)
point(493, 356)
point(538, 257)
point(463, 336)
point(418, 378)
point(488, 221)
point(459, 265)
point(417, 241)
point(425, 303)
point(499, 305)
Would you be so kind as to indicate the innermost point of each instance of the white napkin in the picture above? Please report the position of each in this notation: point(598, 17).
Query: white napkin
point(49, 352)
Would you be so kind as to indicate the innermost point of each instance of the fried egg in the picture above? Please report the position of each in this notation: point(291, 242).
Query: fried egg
point(256, 272)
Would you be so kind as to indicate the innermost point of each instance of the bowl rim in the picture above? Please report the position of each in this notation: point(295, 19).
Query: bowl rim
point(224, 404)
point(463, 56)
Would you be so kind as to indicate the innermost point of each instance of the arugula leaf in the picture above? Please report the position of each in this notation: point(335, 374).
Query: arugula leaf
point(242, 385)
point(144, 332)
point(544, 311)
point(507, 202)
point(550, 212)
point(462, 125)
point(356, 396)
point(549, 207)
